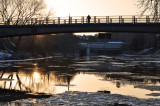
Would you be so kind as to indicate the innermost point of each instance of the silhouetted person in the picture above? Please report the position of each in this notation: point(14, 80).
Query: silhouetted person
point(88, 18)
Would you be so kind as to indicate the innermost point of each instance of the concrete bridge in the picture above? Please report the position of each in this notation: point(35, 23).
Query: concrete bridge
point(37, 26)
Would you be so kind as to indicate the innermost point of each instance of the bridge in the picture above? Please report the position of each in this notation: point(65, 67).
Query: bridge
point(52, 25)
point(101, 46)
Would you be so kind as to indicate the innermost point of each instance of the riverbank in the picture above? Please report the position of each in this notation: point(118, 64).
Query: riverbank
point(4, 55)
point(89, 99)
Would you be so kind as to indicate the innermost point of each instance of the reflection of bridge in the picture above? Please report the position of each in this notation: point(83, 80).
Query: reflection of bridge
point(35, 26)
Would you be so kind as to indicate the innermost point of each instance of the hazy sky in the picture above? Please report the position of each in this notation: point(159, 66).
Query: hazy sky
point(92, 7)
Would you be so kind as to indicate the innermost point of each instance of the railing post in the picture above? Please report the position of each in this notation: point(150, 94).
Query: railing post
point(75, 21)
point(53, 21)
point(94, 19)
point(133, 19)
point(82, 20)
point(64, 21)
point(70, 20)
point(58, 20)
point(27, 22)
point(120, 19)
point(147, 20)
point(39, 22)
point(31, 21)
point(47, 21)
point(107, 19)
point(35, 21)
point(110, 20)
point(99, 21)
point(8, 21)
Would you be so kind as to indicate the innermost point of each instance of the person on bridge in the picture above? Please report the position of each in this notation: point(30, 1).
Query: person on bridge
point(88, 18)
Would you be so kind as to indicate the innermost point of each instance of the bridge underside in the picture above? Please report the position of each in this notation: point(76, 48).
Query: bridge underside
point(15, 30)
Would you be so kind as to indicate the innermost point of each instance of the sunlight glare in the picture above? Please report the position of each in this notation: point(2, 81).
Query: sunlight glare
point(63, 8)
point(35, 64)
point(36, 76)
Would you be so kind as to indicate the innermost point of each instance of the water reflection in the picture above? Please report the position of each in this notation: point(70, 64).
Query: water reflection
point(94, 83)
point(36, 77)
point(57, 75)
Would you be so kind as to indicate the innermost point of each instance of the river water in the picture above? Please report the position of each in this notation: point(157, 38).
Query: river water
point(129, 75)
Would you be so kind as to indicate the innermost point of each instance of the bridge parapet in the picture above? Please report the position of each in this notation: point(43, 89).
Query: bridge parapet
point(82, 20)
point(37, 26)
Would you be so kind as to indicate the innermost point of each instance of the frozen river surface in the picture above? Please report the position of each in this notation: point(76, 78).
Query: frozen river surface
point(130, 80)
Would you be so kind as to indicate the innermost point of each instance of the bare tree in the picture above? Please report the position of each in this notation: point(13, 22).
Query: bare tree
point(150, 6)
point(20, 12)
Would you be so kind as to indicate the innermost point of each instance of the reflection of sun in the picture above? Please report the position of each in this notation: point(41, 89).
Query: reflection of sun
point(35, 64)
point(36, 76)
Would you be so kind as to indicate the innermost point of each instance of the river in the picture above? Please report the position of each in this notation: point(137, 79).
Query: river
point(129, 75)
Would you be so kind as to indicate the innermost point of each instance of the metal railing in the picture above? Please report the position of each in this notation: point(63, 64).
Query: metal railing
point(82, 20)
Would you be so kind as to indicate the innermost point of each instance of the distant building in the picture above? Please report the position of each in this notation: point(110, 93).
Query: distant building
point(103, 45)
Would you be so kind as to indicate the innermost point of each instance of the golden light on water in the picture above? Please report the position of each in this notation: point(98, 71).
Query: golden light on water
point(39, 82)
point(92, 83)
point(36, 77)
point(35, 64)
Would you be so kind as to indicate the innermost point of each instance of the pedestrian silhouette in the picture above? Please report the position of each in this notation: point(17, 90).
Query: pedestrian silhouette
point(88, 18)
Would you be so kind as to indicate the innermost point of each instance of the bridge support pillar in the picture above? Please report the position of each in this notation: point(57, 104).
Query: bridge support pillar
point(88, 50)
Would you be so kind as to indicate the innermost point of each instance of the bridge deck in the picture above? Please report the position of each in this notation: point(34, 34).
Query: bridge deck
point(36, 26)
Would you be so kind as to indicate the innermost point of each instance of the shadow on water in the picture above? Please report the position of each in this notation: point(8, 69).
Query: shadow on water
point(42, 78)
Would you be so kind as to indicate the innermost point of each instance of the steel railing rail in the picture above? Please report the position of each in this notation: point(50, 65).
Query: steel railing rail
point(82, 20)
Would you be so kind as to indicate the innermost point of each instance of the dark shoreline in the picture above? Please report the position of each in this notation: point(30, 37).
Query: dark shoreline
point(74, 98)
point(12, 95)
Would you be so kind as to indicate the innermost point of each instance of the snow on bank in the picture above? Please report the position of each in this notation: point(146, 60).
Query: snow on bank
point(4, 55)
point(89, 99)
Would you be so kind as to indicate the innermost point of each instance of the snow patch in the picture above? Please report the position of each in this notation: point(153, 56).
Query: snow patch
point(4, 55)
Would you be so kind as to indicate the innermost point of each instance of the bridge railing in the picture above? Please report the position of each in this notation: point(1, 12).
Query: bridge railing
point(82, 20)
